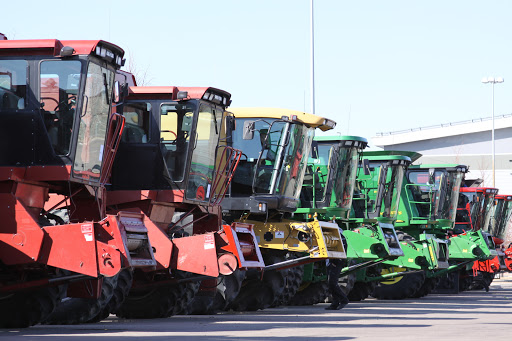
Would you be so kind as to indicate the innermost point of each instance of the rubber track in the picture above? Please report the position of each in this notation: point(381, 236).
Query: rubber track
point(314, 293)
point(25, 309)
point(81, 310)
point(121, 291)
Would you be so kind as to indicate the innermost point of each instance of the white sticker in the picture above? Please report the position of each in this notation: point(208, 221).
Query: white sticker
point(101, 153)
point(279, 234)
point(209, 242)
point(87, 232)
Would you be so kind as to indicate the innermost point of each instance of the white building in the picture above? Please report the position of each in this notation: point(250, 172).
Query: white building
point(467, 143)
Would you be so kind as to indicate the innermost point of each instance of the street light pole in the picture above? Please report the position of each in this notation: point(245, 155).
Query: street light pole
point(312, 51)
point(493, 81)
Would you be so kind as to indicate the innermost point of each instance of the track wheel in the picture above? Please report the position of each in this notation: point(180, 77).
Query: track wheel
point(427, 287)
point(225, 290)
point(122, 289)
point(311, 294)
point(28, 308)
point(158, 302)
point(258, 294)
point(398, 288)
point(360, 291)
point(80, 310)
point(293, 279)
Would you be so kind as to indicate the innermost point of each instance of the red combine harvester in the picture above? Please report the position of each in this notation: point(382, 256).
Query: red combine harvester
point(58, 140)
point(498, 229)
point(474, 212)
point(173, 167)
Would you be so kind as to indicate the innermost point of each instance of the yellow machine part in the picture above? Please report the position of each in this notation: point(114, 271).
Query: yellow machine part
point(393, 280)
point(320, 239)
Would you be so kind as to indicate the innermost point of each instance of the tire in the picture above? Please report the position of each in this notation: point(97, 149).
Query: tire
point(256, 294)
point(403, 288)
point(227, 289)
point(312, 294)
point(465, 279)
point(426, 288)
point(400, 287)
point(121, 291)
point(361, 291)
point(80, 310)
point(481, 281)
point(160, 301)
point(28, 308)
point(293, 279)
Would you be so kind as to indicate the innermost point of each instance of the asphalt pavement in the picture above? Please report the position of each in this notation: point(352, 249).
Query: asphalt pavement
point(472, 315)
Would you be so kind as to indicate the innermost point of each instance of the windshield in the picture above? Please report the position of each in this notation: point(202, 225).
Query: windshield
point(449, 197)
point(378, 194)
point(58, 91)
point(488, 212)
point(284, 149)
point(283, 159)
point(202, 165)
point(502, 212)
point(93, 121)
point(423, 191)
point(13, 84)
point(177, 132)
point(136, 128)
point(345, 162)
point(315, 181)
point(470, 209)
point(176, 121)
point(241, 184)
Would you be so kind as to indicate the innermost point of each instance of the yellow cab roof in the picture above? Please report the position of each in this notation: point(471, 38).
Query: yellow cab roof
point(309, 119)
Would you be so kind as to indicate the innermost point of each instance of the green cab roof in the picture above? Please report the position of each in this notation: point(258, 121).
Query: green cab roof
point(447, 166)
point(339, 138)
point(382, 155)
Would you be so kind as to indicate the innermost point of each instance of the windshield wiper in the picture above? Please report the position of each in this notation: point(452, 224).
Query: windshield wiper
point(106, 87)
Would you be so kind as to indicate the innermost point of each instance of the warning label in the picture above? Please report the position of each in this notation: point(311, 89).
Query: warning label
point(209, 242)
point(87, 231)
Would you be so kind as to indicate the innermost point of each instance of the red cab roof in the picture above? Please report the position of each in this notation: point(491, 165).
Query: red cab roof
point(171, 92)
point(54, 46)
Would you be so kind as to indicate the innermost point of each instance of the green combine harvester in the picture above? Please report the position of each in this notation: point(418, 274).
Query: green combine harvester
point(330, 193)
point(383, 182)
point(426, 218)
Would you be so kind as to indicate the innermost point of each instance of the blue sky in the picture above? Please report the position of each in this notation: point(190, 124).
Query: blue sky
point(380, 65)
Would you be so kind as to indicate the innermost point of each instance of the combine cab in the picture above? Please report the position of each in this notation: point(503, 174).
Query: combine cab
point(380, 194)
point(173, 168)
point(475, 214)
point(275, 146)
point(500, 223)
point(58, 140)
point(429, 208)
point(331, 192)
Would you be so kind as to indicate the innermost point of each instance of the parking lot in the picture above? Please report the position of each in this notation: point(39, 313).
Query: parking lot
point(474, 315)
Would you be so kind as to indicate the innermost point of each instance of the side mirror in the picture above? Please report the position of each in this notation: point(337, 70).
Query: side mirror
point(314, 149)
point(248, 133)
point(431, 179)
point(366, 167)
point(230, 124)
point(117, 92)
